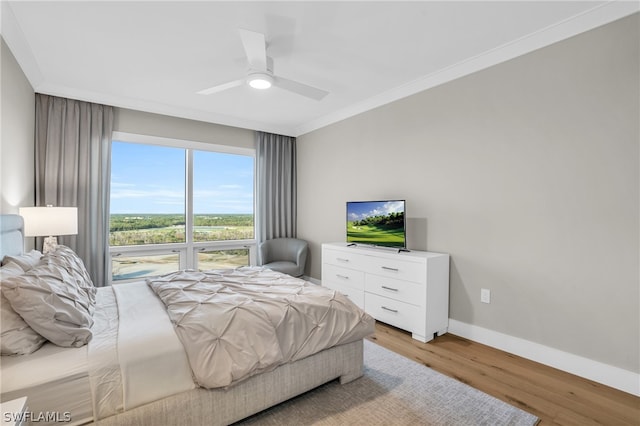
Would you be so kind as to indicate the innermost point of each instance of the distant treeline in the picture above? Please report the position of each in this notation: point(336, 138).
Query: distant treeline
point(132, 222)
point(391, 220)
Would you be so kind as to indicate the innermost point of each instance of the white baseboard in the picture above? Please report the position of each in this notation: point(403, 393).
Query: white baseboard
point(618, 378)
point(312, 280)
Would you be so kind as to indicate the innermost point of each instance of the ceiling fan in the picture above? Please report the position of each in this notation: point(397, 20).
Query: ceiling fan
point(260, 74)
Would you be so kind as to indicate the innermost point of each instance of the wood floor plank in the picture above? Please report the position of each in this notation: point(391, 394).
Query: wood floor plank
point(557, 397)
point(543, 381)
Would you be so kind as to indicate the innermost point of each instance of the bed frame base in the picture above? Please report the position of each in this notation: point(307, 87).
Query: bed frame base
point(225, 406)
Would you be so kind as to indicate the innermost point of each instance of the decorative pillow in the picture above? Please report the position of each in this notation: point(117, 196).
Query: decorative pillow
point(59, 312)
point(16, 337)
point(66, 258)
point(10, 269)
point(26, 261)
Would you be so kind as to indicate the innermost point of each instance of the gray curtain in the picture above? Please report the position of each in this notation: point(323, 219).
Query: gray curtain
point(276, 186)
point(73, 154)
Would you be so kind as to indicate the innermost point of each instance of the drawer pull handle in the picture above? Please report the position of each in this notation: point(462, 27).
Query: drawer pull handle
point(395, 311)
point(386, 268)
point(342, 259)
point(389, 288)
point(344, 277)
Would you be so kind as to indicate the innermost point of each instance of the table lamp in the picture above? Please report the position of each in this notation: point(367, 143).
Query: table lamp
point(49, 222)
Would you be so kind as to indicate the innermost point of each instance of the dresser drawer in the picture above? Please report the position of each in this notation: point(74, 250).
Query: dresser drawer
point(399, 314)
point(332, 274)
point(356, 296)
point(402, 291)
point(344, 258)
point(399, 269)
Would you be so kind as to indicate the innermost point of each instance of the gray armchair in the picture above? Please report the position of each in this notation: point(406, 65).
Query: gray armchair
point(286, 255)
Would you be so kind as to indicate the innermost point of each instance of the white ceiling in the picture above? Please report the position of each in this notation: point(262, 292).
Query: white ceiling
point(155, 55)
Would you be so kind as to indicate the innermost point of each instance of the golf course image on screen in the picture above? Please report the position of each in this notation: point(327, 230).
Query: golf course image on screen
point(379, 223)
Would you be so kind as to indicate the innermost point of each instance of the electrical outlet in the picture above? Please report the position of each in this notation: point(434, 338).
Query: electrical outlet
point(485, 295)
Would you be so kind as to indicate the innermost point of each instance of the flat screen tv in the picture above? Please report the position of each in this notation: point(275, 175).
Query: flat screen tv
point(376, 223)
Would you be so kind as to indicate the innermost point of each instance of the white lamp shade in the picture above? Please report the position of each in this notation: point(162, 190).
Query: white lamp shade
point(49, 221)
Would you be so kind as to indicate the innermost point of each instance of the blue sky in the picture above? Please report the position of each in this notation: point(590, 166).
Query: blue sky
point(361, 210)
point(151, 179)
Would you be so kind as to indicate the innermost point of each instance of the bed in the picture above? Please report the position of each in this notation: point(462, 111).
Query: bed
point(135, 369)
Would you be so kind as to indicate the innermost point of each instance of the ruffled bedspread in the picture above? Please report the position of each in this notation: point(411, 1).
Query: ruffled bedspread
point(237, 323)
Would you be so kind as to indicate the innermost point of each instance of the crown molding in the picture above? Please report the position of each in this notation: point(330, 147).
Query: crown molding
point(597, 16)
point(17, 42)
point(160, 108)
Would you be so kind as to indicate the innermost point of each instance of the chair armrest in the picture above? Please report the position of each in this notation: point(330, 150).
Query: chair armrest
point(301, 255)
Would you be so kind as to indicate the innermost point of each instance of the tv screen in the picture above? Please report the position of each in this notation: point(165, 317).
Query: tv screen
point(378, 223)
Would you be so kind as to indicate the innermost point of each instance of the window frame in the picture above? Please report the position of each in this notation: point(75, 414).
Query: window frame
point(188, 250)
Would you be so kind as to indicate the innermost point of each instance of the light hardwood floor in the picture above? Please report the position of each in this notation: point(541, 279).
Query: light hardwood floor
point(556, 397)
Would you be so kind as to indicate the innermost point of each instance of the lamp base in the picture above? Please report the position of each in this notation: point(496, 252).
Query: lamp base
point(50, 244)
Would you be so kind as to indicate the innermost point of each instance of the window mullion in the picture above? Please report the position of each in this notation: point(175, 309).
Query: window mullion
point(189, 219)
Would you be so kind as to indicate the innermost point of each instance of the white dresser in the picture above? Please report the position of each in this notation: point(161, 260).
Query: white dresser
point(409, 290)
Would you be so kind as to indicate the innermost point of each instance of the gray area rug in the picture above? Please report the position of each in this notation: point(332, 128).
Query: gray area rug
point(393, 391)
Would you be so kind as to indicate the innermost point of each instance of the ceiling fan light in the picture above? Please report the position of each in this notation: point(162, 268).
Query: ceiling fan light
point(260, 81)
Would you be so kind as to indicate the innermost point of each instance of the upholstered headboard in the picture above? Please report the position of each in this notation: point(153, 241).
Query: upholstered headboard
point(11, 235)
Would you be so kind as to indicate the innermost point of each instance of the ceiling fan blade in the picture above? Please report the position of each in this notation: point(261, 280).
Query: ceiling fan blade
point(221, 87)
point(300, 89)
point(255, 46)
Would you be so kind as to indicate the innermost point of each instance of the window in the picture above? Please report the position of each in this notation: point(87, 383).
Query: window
point(177, 205)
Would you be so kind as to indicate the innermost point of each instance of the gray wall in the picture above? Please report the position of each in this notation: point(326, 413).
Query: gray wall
point(144, 123)
point(17, 118)
point(527, 173)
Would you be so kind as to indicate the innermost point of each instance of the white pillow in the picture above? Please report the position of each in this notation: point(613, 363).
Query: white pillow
point(16, 337)
point(10, 269)
point(60, 312)
point(66, 258)
point(26, 261)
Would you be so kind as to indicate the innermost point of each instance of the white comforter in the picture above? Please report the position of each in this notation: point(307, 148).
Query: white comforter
point(238, 323)
point(135, 356)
